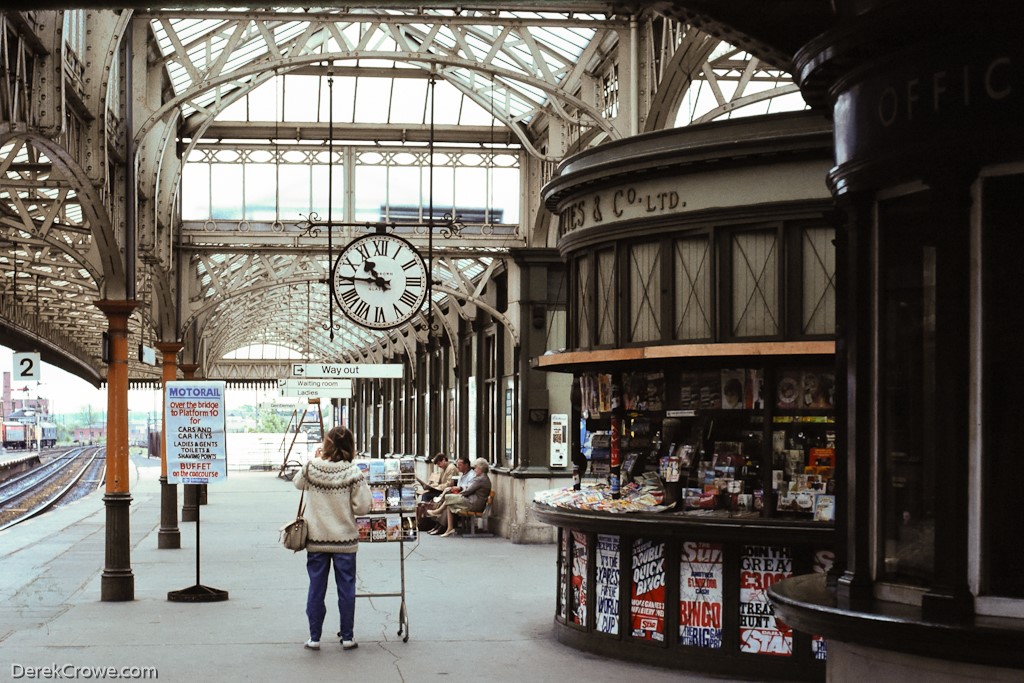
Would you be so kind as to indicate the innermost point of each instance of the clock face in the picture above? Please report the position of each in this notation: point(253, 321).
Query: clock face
point(380, 281)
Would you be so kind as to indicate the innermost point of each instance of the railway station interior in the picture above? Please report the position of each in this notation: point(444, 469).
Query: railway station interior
point(720, 289)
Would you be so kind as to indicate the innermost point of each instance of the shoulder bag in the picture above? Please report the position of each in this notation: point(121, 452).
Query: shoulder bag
point(293, 534)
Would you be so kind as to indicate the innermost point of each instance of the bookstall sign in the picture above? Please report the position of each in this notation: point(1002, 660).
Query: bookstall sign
point(196, 451)
point(700, 595)
point(606, 584)
point(647, 605)
point(579, 578)
point(760, 632)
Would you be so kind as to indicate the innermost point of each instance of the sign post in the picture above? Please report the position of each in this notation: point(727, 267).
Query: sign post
point(196, 454)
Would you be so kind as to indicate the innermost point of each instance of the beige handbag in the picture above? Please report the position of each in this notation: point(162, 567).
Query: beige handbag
point(293, 534)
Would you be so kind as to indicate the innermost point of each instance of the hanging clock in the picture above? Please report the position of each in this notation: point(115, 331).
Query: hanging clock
point(380, 281)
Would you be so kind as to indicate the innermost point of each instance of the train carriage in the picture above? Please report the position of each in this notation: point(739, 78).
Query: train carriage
point(16, 435)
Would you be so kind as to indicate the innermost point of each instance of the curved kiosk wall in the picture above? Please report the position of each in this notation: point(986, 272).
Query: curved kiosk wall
point(702, 346)
point(927, 100)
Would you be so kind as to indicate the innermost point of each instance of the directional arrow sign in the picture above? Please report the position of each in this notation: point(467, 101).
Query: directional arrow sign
point(326, 388)
point(348, 370)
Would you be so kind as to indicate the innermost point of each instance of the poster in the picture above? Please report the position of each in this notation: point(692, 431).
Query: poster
point(760, 632)
point(510, 432)
point(563, 552)
point(647, 604)
point(195, 432)
point(579, 578)
point(606, 584)
point(700, 595)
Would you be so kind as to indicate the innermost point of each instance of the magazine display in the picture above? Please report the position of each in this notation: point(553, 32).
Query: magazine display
point(751, 441)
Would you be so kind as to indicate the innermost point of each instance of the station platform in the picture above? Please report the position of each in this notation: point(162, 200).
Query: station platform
point(479, 609)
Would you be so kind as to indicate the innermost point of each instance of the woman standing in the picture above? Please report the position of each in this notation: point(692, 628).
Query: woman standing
point(336, 493)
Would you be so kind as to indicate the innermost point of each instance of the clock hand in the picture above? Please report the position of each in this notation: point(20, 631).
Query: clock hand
point(377, 280)
point(371, 268)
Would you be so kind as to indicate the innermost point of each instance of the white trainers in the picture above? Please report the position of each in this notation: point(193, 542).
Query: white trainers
point(349, 645)
point(312, 644)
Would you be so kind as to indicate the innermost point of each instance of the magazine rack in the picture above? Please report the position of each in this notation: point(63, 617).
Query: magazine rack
point(392, 519)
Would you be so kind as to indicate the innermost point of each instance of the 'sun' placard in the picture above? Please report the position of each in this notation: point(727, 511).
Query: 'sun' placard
point(196, 452)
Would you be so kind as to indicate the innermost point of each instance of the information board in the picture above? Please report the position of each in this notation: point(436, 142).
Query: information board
point(196, 452)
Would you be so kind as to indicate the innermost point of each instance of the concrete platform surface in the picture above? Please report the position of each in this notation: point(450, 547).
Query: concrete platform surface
point(480, 609)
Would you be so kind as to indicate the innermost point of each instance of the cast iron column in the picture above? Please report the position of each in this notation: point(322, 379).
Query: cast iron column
point(117, 582)
point(169, 535)
point(190, 494)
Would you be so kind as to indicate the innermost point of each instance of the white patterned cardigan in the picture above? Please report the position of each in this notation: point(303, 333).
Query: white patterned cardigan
point(336, 493)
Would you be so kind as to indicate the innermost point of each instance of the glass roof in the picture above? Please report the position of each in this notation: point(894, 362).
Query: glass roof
point(506, 57)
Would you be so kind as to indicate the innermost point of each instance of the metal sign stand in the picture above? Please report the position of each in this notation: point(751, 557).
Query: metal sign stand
point(198, 592)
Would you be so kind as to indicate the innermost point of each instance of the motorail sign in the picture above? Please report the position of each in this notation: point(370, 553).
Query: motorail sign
point(195, 432)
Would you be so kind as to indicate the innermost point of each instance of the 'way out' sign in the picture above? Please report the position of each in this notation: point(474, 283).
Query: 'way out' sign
point(348, 370)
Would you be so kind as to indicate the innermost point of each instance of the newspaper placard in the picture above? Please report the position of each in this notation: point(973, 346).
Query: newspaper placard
point(647, 604)
point(700, 595)
point(563, 571)
point(195, 432)
point(823, 560)
point(760, 631)
point(606, 584)
point(579, 578)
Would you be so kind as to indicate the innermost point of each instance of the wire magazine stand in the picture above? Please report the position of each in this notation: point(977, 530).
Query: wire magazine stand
point(407, 533)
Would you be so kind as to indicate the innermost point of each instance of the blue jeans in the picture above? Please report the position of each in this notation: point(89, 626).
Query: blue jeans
point(318, 565)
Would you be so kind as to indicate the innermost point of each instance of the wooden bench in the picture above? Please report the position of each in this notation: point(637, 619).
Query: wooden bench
point(471, 519)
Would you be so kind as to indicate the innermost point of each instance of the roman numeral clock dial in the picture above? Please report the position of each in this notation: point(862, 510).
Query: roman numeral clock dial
point(380, 281)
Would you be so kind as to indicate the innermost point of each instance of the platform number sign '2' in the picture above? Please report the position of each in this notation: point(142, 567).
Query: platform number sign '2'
point(380, 281)
point(26, 367)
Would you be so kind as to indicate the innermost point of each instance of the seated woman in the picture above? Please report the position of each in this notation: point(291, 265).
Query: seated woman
point(473, 496)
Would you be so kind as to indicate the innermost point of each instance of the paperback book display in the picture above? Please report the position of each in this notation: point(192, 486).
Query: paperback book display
point(392, 493)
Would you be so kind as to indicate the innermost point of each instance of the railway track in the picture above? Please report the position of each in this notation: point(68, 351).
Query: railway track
point(65, 477)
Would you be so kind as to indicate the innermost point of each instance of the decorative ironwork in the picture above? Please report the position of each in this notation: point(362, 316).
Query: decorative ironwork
point(311, 226)
point(453, 226)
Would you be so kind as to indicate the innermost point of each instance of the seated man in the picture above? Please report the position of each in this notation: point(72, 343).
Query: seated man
point(443, 473)
point(471, 494)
